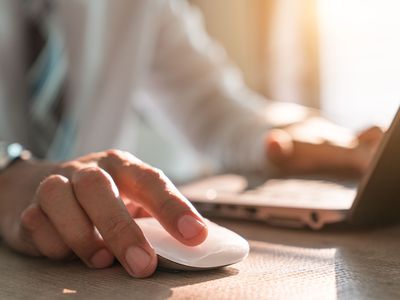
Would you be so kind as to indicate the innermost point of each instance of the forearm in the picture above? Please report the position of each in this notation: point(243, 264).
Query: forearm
point(205, 97)
point(227, 125)
point(230, 127)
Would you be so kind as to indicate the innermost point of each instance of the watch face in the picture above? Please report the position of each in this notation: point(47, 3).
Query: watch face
point(8, 153)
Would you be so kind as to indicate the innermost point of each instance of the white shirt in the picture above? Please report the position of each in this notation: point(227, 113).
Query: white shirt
point(120, 50)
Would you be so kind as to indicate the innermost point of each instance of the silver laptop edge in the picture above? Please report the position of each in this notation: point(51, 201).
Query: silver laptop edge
point(377, 200)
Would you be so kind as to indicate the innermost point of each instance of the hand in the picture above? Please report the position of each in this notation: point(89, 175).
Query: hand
point(317, 145)
point(86, 207)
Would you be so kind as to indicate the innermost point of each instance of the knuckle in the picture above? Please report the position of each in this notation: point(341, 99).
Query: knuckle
point(149, 175)
point(166, 207)
point(116, 157)
point(117, 226)
point(375, 127)
point(158, 173)
point(49, 188)
point(31, 218)
point(88, 177)
point(115, 154)
point(121, 155)
point(375, 130)
point(69, 168)
point(171, 206)
point(379, 130)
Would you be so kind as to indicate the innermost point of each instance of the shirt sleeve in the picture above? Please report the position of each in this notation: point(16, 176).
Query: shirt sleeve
point(13, 111)
point(204, 94)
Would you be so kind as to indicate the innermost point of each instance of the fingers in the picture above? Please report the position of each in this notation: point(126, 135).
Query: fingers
point(70, 214)
point(56, 198)
point(368, 142)
point(371, 136)
point(155, 193)
point(279, 146)
point(99, 198)
point(45, 238)
point(302, 157)
point(83, 213)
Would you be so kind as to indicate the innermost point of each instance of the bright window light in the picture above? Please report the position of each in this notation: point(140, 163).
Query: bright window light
point(360, 60)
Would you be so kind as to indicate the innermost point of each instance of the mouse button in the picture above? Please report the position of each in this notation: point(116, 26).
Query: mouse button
point(221, 247)
point(173, 250)
point(165, 245)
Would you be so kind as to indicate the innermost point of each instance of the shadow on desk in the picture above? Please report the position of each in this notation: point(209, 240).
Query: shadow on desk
point(344, 264)
point(39, 278)
point(283, 264)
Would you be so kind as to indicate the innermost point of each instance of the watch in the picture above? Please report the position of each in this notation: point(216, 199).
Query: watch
point(10, 152)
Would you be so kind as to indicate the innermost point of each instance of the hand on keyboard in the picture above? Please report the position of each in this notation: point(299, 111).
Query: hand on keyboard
point(316, 145)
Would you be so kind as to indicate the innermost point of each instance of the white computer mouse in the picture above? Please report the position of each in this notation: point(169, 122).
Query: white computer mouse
point(222, 247)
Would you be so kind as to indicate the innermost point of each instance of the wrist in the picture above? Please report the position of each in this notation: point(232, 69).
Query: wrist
point(11, 152)
point(8, 178)
point(18, 183)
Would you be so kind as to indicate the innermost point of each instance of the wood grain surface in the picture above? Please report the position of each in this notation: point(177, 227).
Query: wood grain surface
point(283, 264)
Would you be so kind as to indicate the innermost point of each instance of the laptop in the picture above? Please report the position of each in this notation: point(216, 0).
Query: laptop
point(313, 202)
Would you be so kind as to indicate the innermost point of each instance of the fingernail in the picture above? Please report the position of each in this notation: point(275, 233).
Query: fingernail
point(137, 259)
point(190, 227)
point(102, 259)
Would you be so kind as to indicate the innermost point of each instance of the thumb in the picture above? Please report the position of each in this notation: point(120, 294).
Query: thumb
point(279, 146)
point(371, 136)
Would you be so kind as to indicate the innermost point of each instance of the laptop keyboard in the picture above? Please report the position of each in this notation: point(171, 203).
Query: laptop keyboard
point(302, 193)
point(306, 192)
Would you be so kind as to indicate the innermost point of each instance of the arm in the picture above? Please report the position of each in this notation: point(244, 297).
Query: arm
point(85, 206)
point(203, 94)
point(207, 100)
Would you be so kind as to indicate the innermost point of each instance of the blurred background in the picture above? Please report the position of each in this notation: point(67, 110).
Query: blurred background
point(340, 56)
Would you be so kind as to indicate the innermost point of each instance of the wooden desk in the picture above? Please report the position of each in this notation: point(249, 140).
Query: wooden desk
point(283, 264)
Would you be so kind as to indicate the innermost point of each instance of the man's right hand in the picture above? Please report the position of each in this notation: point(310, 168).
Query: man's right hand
point(87, 207)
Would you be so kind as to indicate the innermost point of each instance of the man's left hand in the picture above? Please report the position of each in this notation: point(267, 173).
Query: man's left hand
point(316, 145)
